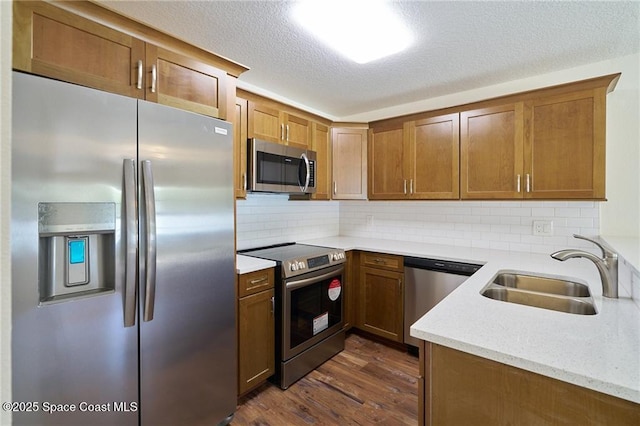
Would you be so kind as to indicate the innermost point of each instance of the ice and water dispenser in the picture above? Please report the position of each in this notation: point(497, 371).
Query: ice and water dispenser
point(76, 250)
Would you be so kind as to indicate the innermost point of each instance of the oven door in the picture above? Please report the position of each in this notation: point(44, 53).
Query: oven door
point(312, 309)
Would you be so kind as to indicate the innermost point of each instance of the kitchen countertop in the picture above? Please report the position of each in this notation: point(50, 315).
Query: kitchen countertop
point(599, 352)
point(246, 264)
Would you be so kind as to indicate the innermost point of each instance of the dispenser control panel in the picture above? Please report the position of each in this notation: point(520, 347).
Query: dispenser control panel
point(77, 261)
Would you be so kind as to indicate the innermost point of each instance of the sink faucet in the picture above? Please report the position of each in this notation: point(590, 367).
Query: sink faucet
point(607, 265)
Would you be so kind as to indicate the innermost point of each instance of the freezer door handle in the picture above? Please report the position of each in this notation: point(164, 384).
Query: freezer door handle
point(131, 243)
point(150, 243)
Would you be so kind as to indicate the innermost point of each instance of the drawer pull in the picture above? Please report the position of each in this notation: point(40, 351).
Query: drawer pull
point(258, 281)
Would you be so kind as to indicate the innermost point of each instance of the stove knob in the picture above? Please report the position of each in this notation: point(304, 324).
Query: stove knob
point(293, 267)
point(302, 265)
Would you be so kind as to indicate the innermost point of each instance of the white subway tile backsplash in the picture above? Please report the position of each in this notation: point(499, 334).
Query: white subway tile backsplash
point(264, 219)
point(507, 225)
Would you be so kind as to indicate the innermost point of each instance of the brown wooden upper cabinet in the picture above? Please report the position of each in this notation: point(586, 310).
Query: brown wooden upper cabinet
point(272, 124)
point(386, 154)
point(548, 145)
point(491, 152)
point(320, 143)
point(349, 148)
point(106, 51)
point(564, 146)
point(433, 157)
point(416, 159)
point(240, 147)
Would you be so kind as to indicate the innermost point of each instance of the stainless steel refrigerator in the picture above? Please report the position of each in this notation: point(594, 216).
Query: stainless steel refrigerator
point(122, 243)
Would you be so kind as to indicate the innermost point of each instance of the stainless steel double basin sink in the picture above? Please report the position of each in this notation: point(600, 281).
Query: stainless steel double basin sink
point(541, 292)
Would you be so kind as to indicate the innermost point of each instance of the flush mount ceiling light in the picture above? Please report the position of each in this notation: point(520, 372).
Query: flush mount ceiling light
point(361, 30)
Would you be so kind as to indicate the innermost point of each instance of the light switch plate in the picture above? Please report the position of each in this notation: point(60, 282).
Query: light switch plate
point(543, 228)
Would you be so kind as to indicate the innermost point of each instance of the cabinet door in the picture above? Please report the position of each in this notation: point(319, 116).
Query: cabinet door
point(256, 350)
point(565, 146)
point(491, 161)
point(297, 131)
point(381, 303)
point(240, 147)
point(349, 152)
point(55, 43)
point(386, 165)
point(264, 123)
point(433, 157)
point(351, 276)
point(184, 82)
point(320, 144)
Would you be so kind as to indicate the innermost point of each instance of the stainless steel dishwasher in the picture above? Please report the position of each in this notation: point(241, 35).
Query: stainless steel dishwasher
point(427, 282)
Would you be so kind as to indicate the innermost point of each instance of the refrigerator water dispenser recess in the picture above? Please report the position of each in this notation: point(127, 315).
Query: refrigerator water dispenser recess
point(76, 256)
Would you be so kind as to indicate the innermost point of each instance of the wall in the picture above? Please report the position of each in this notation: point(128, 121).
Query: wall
point(265, 219)
point(491, 224)
point(620, 215)
point(5, 210)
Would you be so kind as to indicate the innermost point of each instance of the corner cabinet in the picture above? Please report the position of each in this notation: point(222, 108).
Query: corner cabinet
point(83, 43)
point(256, 329)
point(349, 152)
point(381, 295)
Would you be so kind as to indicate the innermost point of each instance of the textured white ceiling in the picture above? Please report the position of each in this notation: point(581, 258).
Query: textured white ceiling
point(458, 46)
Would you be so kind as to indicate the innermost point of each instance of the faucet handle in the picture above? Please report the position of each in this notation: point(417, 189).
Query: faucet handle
point(606, 253)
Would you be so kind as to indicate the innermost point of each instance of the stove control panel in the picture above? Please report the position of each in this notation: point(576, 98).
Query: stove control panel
point(300, 266)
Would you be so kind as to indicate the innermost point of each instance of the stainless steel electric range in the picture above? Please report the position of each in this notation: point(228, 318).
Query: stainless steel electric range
point(308, 305)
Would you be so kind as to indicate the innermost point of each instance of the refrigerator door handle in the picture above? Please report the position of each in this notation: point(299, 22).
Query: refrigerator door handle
point(150, 246)
point(131, 243)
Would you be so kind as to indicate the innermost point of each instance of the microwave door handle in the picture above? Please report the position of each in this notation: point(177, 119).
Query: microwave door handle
point(308, 176)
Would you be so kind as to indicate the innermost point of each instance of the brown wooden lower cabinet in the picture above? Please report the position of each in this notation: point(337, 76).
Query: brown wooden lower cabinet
point(464, 389)
point(381, 295)
point(256, 338)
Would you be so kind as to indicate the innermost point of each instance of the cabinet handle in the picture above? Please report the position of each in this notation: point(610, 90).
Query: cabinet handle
point(272, 305)
point(405, 187)
point(258, 280)
point(139, 83)
point(335, 187)
point(154, 78)
point(399, 283)
point(528, 183)
point(244, 181)
point(287, 133)
point(282, 131)
point(518, 183)
point(411, 186)
point(378, 260)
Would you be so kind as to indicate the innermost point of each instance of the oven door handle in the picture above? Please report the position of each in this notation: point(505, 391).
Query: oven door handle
point(307, 281)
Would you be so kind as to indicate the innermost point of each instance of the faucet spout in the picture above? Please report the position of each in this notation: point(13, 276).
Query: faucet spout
point(607, 265)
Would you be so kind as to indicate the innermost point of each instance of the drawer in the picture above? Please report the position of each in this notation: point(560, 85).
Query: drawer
point(255, 282)
point(382, 261)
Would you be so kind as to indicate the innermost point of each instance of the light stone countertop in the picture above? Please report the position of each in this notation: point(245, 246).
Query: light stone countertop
point(599, 352)
point(246, 264)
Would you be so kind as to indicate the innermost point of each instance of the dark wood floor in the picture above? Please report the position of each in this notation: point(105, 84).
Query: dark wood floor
point(367, 383)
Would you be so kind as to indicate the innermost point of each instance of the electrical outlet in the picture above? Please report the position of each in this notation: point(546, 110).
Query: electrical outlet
point(369, 219)
point(543, 228)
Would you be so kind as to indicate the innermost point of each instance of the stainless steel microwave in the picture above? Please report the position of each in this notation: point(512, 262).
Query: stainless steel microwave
point(280, 168)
